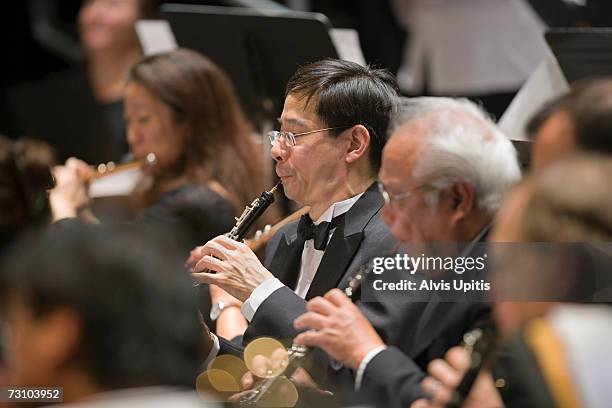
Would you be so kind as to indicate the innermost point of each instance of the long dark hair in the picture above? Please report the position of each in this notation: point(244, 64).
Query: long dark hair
point(221, 146)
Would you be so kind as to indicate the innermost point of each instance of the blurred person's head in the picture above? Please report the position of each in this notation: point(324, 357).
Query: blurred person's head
point(592, 116)
point(182, 107)
point(25, 177)
point(578, 121)
point(108, 25)
point(445, 169)
point(552, 131)
point(567, 202)
point(343, 109)
point(92, 309)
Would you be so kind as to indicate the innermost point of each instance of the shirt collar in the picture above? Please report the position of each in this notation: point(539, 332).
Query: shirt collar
point(337, 209)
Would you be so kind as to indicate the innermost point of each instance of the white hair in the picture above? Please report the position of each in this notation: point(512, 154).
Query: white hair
point(461, 143)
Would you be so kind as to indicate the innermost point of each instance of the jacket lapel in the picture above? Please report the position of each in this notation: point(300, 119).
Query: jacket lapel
point(286, 260)
point(344, 243)
point(437, 311)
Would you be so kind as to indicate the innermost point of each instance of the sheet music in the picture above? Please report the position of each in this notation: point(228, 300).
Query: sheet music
point(347, 44)
point(546, 83)
point(155, 36)
point(118, 184)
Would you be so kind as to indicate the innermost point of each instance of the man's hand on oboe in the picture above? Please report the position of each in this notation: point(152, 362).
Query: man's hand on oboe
point(233, 267)
point(338, 327)
point(445, 375)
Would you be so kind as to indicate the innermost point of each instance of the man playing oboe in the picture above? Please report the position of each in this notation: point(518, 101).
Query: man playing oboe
point(328, 151)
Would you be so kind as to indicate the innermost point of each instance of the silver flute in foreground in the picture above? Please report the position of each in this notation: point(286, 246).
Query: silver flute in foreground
point(297, 354)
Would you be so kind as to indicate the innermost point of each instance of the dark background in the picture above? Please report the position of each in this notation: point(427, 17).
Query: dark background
point(24, 59)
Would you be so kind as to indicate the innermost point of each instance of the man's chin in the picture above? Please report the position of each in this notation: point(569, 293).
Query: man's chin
point(288, 193)
point(292, 195)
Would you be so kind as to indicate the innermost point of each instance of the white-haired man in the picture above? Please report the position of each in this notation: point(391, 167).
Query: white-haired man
point(443, 175)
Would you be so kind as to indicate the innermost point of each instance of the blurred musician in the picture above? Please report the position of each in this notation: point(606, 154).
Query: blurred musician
point(98, 317)
point(181, 107)
point(558, 345)
point(25, 177)
point(79, 111)
point(576, 122)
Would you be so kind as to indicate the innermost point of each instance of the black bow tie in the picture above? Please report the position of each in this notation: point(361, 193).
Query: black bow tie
point(319, 233)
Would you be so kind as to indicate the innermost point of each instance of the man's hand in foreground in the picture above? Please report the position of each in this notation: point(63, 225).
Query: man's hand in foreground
point(338, 327)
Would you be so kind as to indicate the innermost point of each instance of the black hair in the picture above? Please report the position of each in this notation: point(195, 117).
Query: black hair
point(592, 116)
point(134, 299)
point(536, 122)
point(349, 94)
point(589, 106)
point(25, 177)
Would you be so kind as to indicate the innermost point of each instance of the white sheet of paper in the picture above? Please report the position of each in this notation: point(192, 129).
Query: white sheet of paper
point(155, 36)
point(546, 83)
point(118, 184)
point(347, 44)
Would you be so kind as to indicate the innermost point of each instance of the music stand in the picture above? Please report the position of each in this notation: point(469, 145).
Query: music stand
point(582, 53)
point(259, 50)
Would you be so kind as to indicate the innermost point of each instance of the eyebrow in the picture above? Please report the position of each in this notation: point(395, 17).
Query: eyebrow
point(393, 184)
point(294, 121)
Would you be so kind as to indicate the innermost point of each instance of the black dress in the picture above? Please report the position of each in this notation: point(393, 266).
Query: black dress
point(193, 214)
point(182, 218)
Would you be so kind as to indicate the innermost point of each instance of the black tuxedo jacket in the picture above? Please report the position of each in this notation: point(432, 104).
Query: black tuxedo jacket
point(416, 333)
point(359, 237)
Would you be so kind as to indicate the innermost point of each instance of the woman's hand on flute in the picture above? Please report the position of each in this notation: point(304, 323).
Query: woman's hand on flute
point(70, 194)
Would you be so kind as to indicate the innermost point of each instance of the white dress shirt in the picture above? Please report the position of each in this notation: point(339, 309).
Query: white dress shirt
point(311, 258)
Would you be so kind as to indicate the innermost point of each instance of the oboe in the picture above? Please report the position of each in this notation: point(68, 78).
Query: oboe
point(297, 353)
point(249, 216)
point(480, 344)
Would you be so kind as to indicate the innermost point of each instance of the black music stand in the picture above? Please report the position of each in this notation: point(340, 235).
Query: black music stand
point(259, 50)
point(582, 53)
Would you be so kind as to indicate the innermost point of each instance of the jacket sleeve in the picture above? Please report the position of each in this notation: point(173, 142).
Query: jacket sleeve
point(275, 316)
point(393, 377)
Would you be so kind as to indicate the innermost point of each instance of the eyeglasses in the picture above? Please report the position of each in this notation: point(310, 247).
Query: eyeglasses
point(287, 139)
point(396, 197)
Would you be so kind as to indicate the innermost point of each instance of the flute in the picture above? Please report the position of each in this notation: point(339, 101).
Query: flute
point(107, 169)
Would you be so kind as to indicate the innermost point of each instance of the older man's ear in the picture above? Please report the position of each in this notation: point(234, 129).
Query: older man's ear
point(463, 201)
